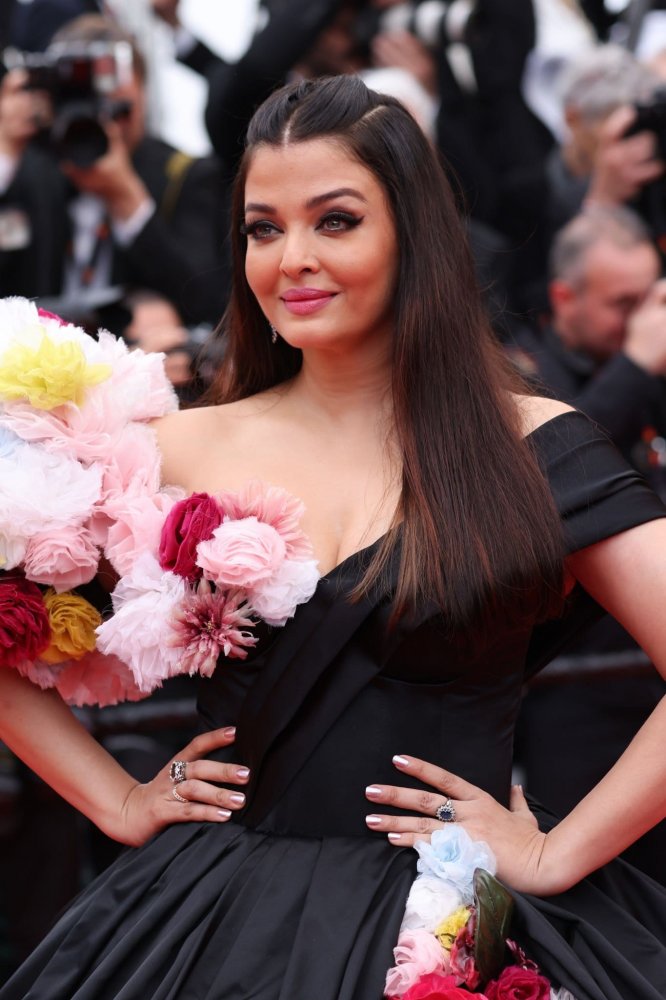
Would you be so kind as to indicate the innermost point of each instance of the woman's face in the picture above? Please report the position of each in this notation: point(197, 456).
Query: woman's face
point(321, 245)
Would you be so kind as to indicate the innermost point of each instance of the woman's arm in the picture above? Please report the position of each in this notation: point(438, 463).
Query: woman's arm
point(627, 575)
point(44, 733)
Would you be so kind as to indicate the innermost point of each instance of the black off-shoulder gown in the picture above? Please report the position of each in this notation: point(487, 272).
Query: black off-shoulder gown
point(295, 898)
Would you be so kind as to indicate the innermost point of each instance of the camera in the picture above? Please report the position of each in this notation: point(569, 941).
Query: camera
point(436, 23)
point(651, 117)
point(80, 80)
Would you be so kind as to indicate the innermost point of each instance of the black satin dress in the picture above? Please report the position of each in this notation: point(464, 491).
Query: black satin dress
point(296, 898)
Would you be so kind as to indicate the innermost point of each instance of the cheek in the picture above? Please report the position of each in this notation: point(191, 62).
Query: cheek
point(259, 271)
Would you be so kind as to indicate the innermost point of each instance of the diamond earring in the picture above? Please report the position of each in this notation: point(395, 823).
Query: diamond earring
point(274, 334)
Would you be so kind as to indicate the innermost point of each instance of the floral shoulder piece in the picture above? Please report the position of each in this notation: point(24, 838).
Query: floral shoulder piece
point(80, 482)
point(453, 941)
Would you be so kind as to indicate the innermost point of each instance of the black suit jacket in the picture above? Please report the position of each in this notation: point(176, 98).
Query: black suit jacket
point(180, 252)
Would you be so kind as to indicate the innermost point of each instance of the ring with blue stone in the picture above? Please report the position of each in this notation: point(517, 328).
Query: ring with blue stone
point(446, 813)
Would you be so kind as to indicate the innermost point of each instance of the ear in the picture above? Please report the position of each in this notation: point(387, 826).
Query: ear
point(561, 295)
point(571, 116)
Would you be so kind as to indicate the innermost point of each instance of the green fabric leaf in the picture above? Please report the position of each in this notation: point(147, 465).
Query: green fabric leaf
point(494, 907)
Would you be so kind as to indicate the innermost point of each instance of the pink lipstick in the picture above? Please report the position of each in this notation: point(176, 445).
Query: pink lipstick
point(304, 301)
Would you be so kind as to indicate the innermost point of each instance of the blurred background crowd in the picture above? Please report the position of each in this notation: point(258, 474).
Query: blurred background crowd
point(121, 125)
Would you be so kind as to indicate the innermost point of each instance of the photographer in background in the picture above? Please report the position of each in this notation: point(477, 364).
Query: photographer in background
point(132, 212)
point(603, 160)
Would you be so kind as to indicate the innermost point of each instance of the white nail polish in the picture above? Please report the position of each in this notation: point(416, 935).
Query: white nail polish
point(373, 790)
point(373, 820)
point(395, 837)
point(400, 761)
point(224, 813)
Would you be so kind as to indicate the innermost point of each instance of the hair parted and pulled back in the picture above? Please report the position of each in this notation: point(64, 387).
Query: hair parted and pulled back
point(479, 532)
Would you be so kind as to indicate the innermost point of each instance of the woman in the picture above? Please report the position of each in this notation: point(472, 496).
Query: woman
point(360, 376)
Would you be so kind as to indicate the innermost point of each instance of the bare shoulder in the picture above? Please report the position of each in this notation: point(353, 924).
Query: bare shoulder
point(191, 440)
point(536, 410)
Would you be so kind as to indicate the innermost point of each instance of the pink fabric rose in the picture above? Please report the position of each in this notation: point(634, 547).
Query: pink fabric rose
point(436, 987)
point(516, 983)
point(190, 521)
point(274, 506)
point(416, 954)
point(97, 679)
point(62, 558)
point(24, 621)
point(137, 529)
point(241, 553)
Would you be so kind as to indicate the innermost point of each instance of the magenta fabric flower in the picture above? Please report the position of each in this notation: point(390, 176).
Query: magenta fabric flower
point(24, 621)
point(62, 558)
point(189, 522)
point(517, 983)
point(209, 623)
point(45, 314)
point(436, 987)
point(241, 553)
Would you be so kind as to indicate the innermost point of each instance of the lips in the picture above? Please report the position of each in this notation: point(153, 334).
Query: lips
point(304, 301)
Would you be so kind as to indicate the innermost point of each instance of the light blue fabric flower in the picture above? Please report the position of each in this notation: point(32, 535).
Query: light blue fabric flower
point(9, 442)
point(453, 856)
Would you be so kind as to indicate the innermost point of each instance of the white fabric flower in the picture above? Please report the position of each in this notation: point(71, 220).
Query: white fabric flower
point(294, 582)
point(430, 901)
point(40, 491)
point(138, 633)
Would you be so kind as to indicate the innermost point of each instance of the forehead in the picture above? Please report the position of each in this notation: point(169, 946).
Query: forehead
point(622, 270)
point(297, 171)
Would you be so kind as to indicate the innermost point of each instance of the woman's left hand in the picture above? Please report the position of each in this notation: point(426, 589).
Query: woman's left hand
point(513, 834)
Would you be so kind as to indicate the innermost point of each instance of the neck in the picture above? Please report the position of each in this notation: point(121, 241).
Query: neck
point(345, 389)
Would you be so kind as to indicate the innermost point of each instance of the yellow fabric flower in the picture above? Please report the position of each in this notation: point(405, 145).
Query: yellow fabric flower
point(73, 621)
point(49, 374)
point(449, 929)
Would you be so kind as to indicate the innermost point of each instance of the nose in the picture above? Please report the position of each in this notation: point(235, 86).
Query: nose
point(298, 254)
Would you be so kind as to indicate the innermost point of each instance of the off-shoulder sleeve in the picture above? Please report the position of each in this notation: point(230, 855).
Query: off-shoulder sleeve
point(597, 493)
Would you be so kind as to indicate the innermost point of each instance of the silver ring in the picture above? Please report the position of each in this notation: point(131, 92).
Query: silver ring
point(176, 794)
point(177, 771)
point(446, 813)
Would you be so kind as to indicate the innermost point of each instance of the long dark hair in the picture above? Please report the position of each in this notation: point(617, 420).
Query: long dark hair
point(480, 532)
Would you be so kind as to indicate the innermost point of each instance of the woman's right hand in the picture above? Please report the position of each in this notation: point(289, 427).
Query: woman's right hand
point(150, 807)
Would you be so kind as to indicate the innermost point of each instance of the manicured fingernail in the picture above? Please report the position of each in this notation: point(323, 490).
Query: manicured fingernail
point(373, 820)
point(238, 798)
point(400, 761)
point(243, 773)
point(224, 813)
point(394, 837)
point(229, 732)
point(373, 791)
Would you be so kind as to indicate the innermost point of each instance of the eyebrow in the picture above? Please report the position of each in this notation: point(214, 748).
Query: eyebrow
point(318, 199)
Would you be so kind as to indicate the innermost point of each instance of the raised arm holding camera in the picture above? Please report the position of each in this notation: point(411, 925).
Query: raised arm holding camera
point(125, 209)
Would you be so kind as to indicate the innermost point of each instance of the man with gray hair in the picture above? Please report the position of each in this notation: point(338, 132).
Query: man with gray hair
point(605, 347)
point(600, 162)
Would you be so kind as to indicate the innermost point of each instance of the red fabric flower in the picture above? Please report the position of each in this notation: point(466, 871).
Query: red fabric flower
point(189, 522)
point(516, 983)
point(436, 987)
point(24, 621)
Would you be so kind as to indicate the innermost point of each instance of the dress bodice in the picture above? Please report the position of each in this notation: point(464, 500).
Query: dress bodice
point(326, 701)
